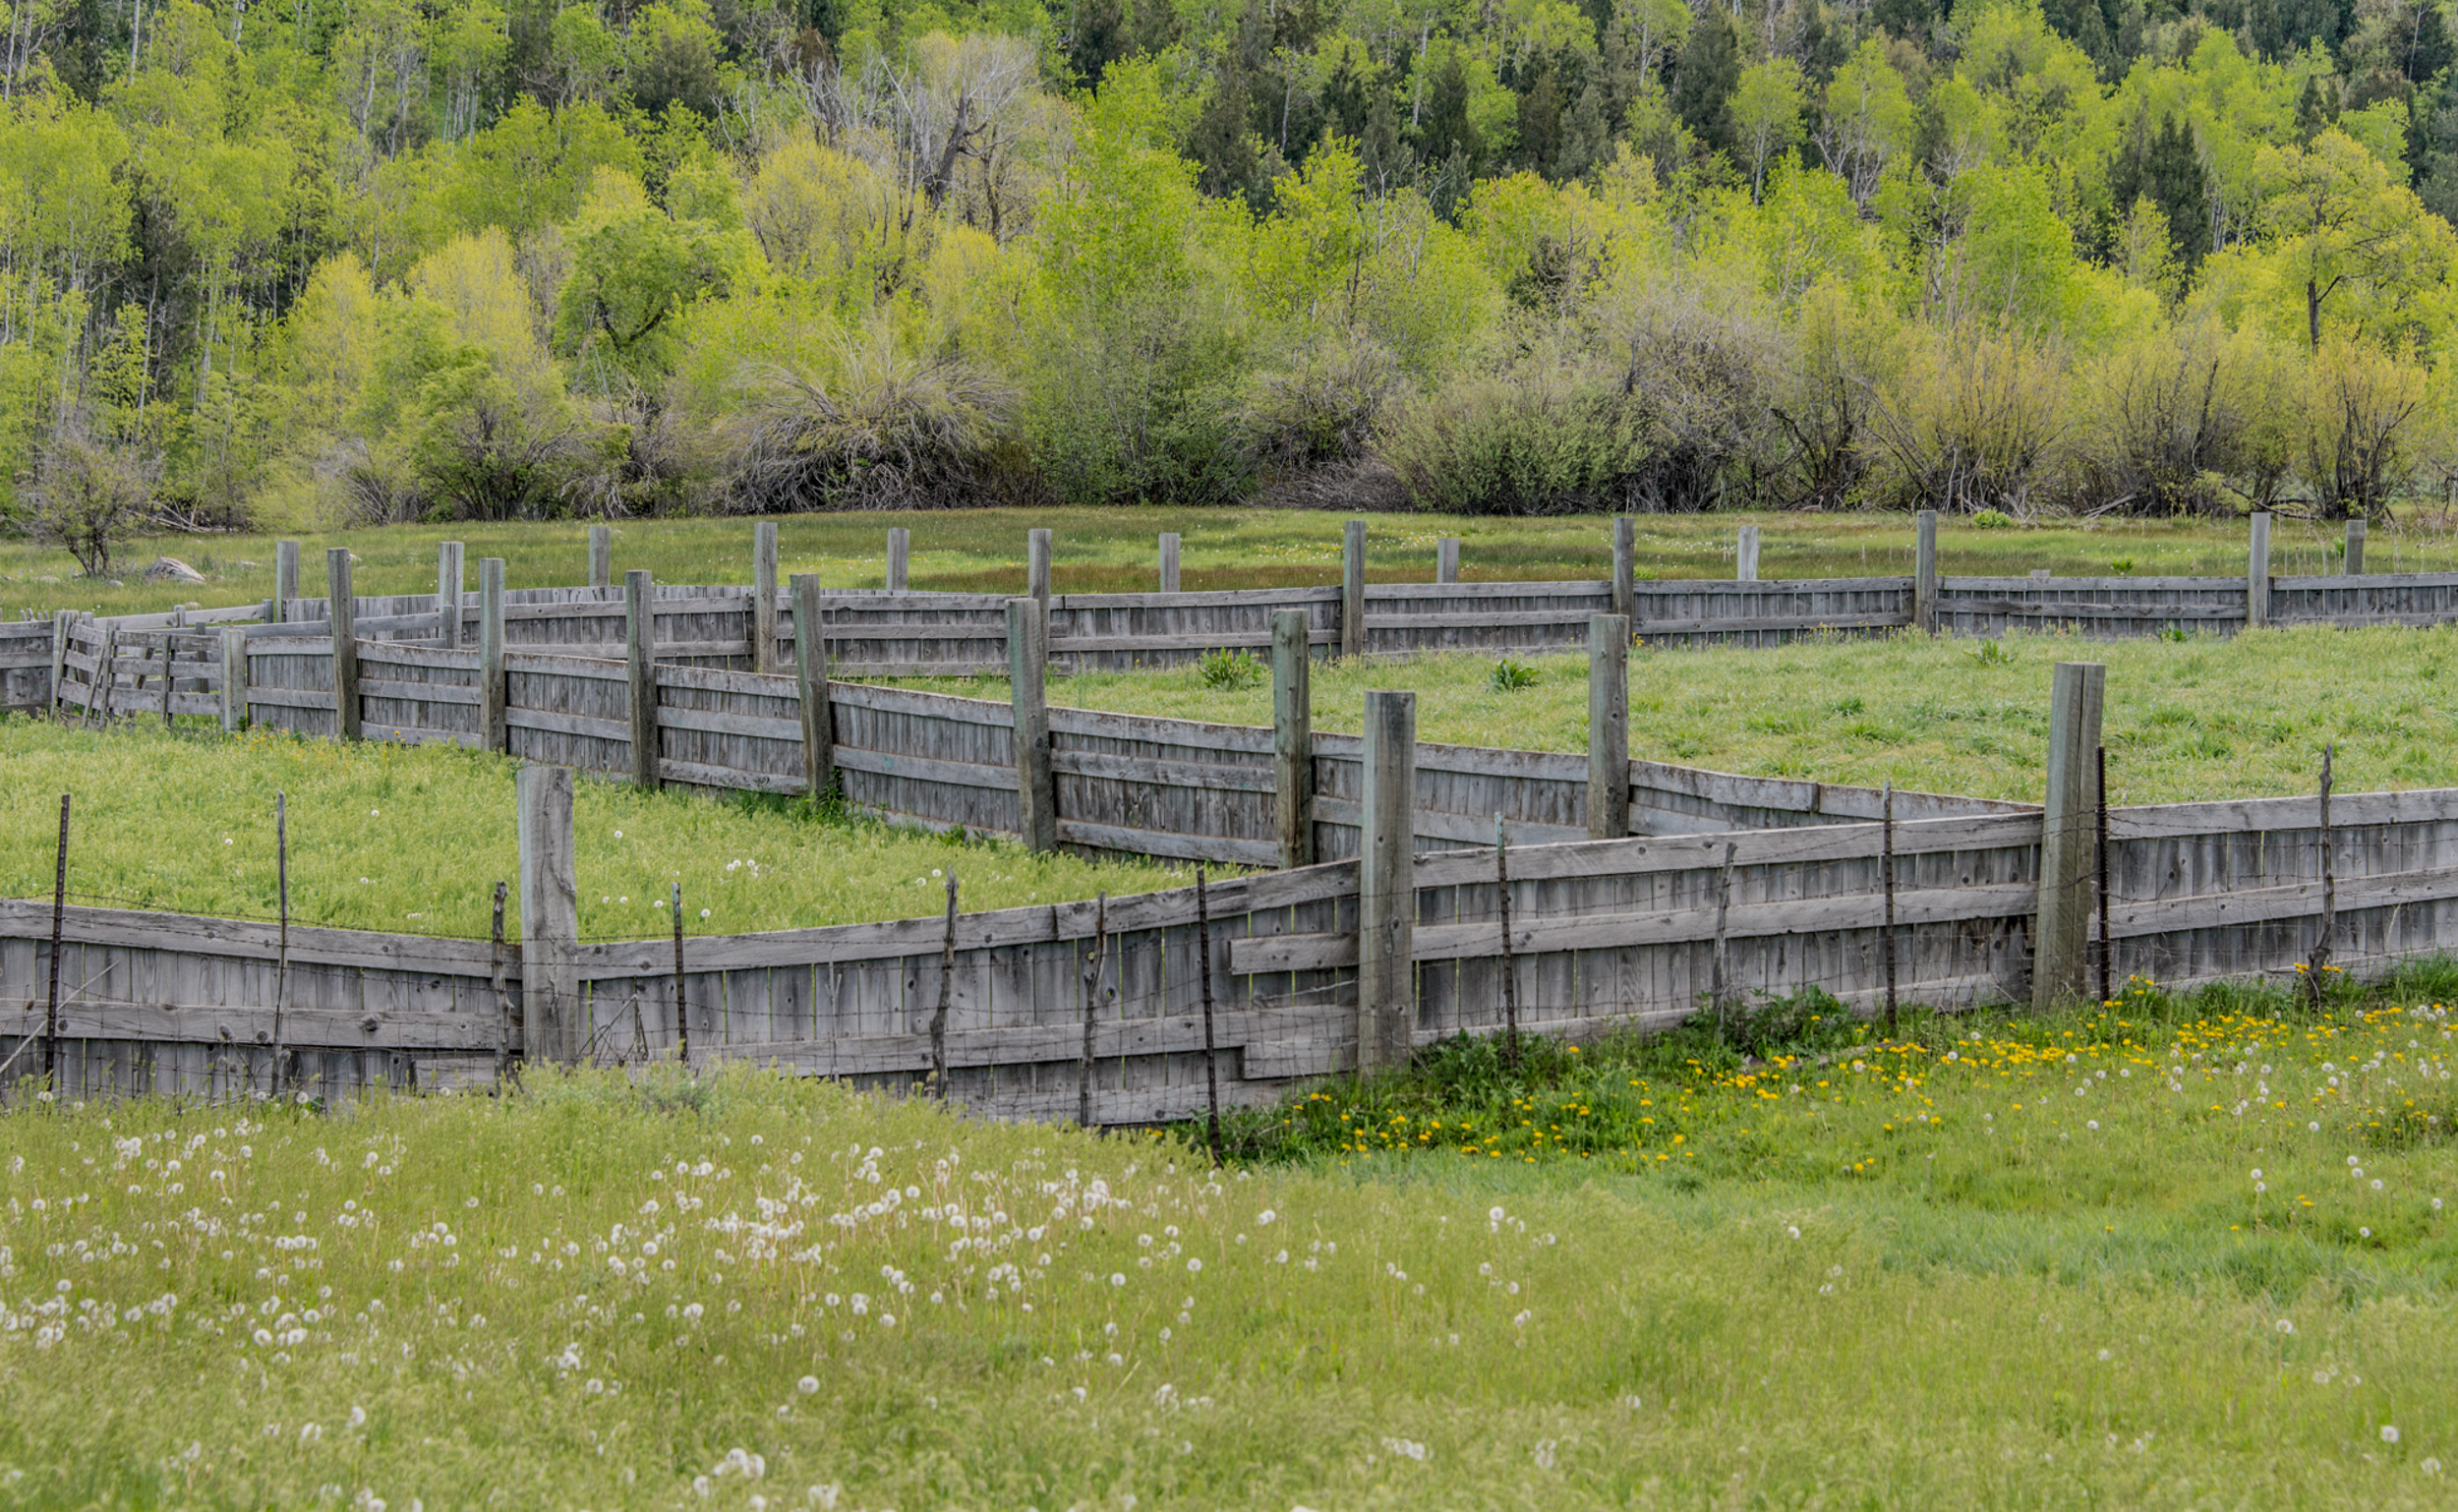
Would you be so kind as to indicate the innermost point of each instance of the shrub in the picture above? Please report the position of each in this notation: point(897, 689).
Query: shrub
point(1993, 519)
point(2356, 447)
point(2177, 419)
point(1509, 677)
point(1977, 422)
point(90, 495)
point(1228, 671)
point(1698, 363)
point(1549, 437)
point(891, 432)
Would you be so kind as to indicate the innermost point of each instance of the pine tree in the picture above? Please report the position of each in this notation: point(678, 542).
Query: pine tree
point(1704, 81)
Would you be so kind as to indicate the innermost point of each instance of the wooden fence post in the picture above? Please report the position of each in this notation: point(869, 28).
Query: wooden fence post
point(448, 595)
point(600, 557)
point(810, 682)
point(1626, 567)
point(640, 661)
point(63, 623)
point(1446, 560)
point(2060, 934)
point(285, 580)
point(1037, 790)
point(551, 1009)
point(1169, 561)
point(1037, 572)
point(1387, 885)
point(1353, 589)
point(899, 558)
point(2257, 573)
point(493, 693)
point(343, 610)
point(1293, 736)
point(1745, 555)
point(764, 597)
point(2354, 548)
point(1609, 727)
point(234, 681)
point(1924, 575)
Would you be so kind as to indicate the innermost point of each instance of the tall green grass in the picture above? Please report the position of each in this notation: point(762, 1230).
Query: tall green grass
point(2199, 718)
point(413, 839)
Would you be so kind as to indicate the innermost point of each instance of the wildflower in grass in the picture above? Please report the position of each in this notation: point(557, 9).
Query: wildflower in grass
point(2389, 1434)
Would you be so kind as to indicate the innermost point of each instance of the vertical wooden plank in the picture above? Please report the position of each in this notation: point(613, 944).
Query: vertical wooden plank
point(448, 595)
point(2060, 940)
point(1446, 560)
point(62, 622)
point(552, 1027)
point(2354, 548)
point(493, 732)
point(285, 580)
point(1745, 555)
point(1038, 570)
point(810, 678)
point(1626, 568)
point(2257, 573)
point(1027, 654)
point(639, 657)
point(1609, 727)
point(764, 597)
point(1169, 561)
point(1924, 575)
point(899, 558)
point(1293, 738)
point(1353, 588)
point(1386, 922)
point(344, 612)
point(234, 681)
point(600, 557)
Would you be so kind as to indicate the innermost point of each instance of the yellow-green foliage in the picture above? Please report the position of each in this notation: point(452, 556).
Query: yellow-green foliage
point(2118, 1260)
point(413, 839)
point(2195, 719)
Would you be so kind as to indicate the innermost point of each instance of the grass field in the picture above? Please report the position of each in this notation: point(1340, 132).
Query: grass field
point(2213, 717)
point(1112, 550)
point(413, 840)
point(2171, 1255)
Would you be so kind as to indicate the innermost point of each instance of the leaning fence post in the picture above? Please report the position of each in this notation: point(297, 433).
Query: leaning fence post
point(285, 580)
point(2257, 573)
point(1293, 736)
point(492, 691)
point(343, 619)
point(550, 1025)
point(1038, 570)
point(1745, 555)
point(2061, 935)
point(899, 558)
point(1028, 651)
point(1353, 589)
point(764, 597)
point(1169, 561)
point(600, 557)
point(1386, 884)
point(1924, 575)
point(1625, 588)
point(1609, 727)
point(448, 595)
point(2356, 548)
point(640, 662)
point(234, 680)
point(810, 684)
point(1446, 560)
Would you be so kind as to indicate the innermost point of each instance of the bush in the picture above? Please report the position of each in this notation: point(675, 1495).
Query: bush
point(89, 496)
point(1699, 363)
point(1977, 422)
point(1319, 411)
point(2355, 437)
point(892, 432)
point(1228, 671)
point(1551, 437)
point(2178, 419)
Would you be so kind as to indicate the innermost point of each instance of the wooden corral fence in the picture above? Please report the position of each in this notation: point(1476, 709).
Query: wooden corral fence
point(1095, 1009)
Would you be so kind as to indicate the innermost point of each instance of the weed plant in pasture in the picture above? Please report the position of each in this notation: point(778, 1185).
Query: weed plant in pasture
point(1116, 550)
point(413, 840)
point(2124, 1257)
point(2196, 718)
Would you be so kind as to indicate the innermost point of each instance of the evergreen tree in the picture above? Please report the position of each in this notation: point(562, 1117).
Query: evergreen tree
point(1704, 79)
point(1221, 145)
point(1100, 39)
point(2165, 167)
point(1448, 136)
point(1540, 117)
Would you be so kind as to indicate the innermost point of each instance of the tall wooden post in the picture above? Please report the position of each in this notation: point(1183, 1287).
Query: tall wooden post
point(1609, 727)
point(1387, 905)
point(2356, 548)
point(1745, 555)
point(285, 580)
point(1353, 589)
point(494, 735)
point(1293, 736)
point(63, 625)
point(810, 683)
point(448, 595)
point(1169, 561)
point(1924, 575)
point(640, 662)
point(899, 558)
point(2061, 935)
point(552, 1029)
point(1446, 560)
point(1626, 568)
point(1037, 572)
point(600, 557)
point(2257, 573)
point(234, 680)
point(764, 597)
point(344, 611)
point(1036, 790)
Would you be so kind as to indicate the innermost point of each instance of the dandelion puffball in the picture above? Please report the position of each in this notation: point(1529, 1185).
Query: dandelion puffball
point(2389, 1434)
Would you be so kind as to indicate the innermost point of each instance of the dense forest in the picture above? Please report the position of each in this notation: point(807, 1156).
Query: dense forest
point(359, 261)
